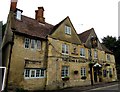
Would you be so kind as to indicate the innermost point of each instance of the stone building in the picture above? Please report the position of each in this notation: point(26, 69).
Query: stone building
point(41, 56)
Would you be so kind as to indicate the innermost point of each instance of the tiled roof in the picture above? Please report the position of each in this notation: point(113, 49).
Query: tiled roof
point(105, 49)
point(84, 36)
point(32, 27)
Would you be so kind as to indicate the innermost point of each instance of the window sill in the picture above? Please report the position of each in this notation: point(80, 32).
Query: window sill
point(33, 77)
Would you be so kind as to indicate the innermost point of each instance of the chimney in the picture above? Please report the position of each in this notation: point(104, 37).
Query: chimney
point(13, 5)
point(39, 15)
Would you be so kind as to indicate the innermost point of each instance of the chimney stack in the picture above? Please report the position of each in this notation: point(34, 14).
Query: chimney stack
point(13, 5)
point(39, 15)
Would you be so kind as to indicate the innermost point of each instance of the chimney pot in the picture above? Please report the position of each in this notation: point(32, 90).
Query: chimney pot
point(13, 5)
point(39, 15)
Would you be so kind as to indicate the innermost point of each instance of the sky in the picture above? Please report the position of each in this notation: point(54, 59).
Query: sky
point(102, 15)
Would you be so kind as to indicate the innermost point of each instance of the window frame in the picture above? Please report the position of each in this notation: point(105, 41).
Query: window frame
point(64, 71)
point(41, 73)
point(38, 44)
point(65, 49)
point(83, 71)
point(26, 42)
point(67, 30)
point(33, 42)
point(95, 54)
point(82, 52)
point(108, 57)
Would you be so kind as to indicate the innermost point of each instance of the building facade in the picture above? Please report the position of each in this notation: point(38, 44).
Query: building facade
point(41, 56)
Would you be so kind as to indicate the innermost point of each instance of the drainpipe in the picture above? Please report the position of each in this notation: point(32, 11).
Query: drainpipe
point(8, 69)
point(46, 63)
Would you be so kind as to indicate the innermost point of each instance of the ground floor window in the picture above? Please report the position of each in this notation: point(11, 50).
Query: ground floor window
point(83, 71)
point(105, 73)
point(65, 71)
point(34, 73)
point(110, 72)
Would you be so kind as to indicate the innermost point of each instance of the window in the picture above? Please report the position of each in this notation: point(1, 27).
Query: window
point(110, 71)
point(34, 73)
point(27, 73)
point(18, 16)
point(82, 52)
point(65, 48)
point(68, 30)
point(37, 73)
point(64, 71)
point(27, 42)
point(95, 54)
point(38, 44)
point(104, 73)
point(32, 43)
point(83, 71)
point(108, 57)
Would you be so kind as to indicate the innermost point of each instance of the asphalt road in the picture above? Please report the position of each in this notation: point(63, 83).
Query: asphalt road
point(108, 87)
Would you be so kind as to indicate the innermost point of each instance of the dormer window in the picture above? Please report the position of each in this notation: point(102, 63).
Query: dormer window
point(18, 14)
point(68, 30)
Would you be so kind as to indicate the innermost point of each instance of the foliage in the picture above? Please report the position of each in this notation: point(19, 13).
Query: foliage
point(66, 78)
point(83, 77)
point(76, 72)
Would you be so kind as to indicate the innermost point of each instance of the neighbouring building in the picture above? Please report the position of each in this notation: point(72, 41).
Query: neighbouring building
point(42, 56)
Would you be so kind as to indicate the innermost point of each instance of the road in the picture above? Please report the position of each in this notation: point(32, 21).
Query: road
point(109, 87)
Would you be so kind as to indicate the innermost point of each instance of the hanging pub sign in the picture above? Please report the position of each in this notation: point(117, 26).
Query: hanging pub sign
point(94, 42)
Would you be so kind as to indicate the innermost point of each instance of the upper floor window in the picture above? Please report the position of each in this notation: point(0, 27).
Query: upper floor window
point(65, 71)
point(27, 42)
point(82, 52)
point(38, 44)
point(95, 54)
point(108, 57)
point(83, 71)
point(65, 49)
point(34, 44)
point(68, 30)
point(18, 14)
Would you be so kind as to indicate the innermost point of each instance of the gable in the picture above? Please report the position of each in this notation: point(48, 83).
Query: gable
point(59, 32)
point(88, 41)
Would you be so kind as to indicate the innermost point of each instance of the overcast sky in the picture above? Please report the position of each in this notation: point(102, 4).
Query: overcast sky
point(102, 15)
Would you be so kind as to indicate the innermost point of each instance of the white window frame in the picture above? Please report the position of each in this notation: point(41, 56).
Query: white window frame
point(27, 42)
point(64, 71)
point(83, 71)
point(35, 70)
point(65, 48)
point(18, 15)
point(33, 44)
point(82, 52)
point(38, 45)
point(95, 54)
point(68, 30)
point(108, 57)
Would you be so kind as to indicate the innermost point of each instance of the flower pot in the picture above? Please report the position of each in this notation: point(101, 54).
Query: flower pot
point(75, 72)
point(65, 78)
